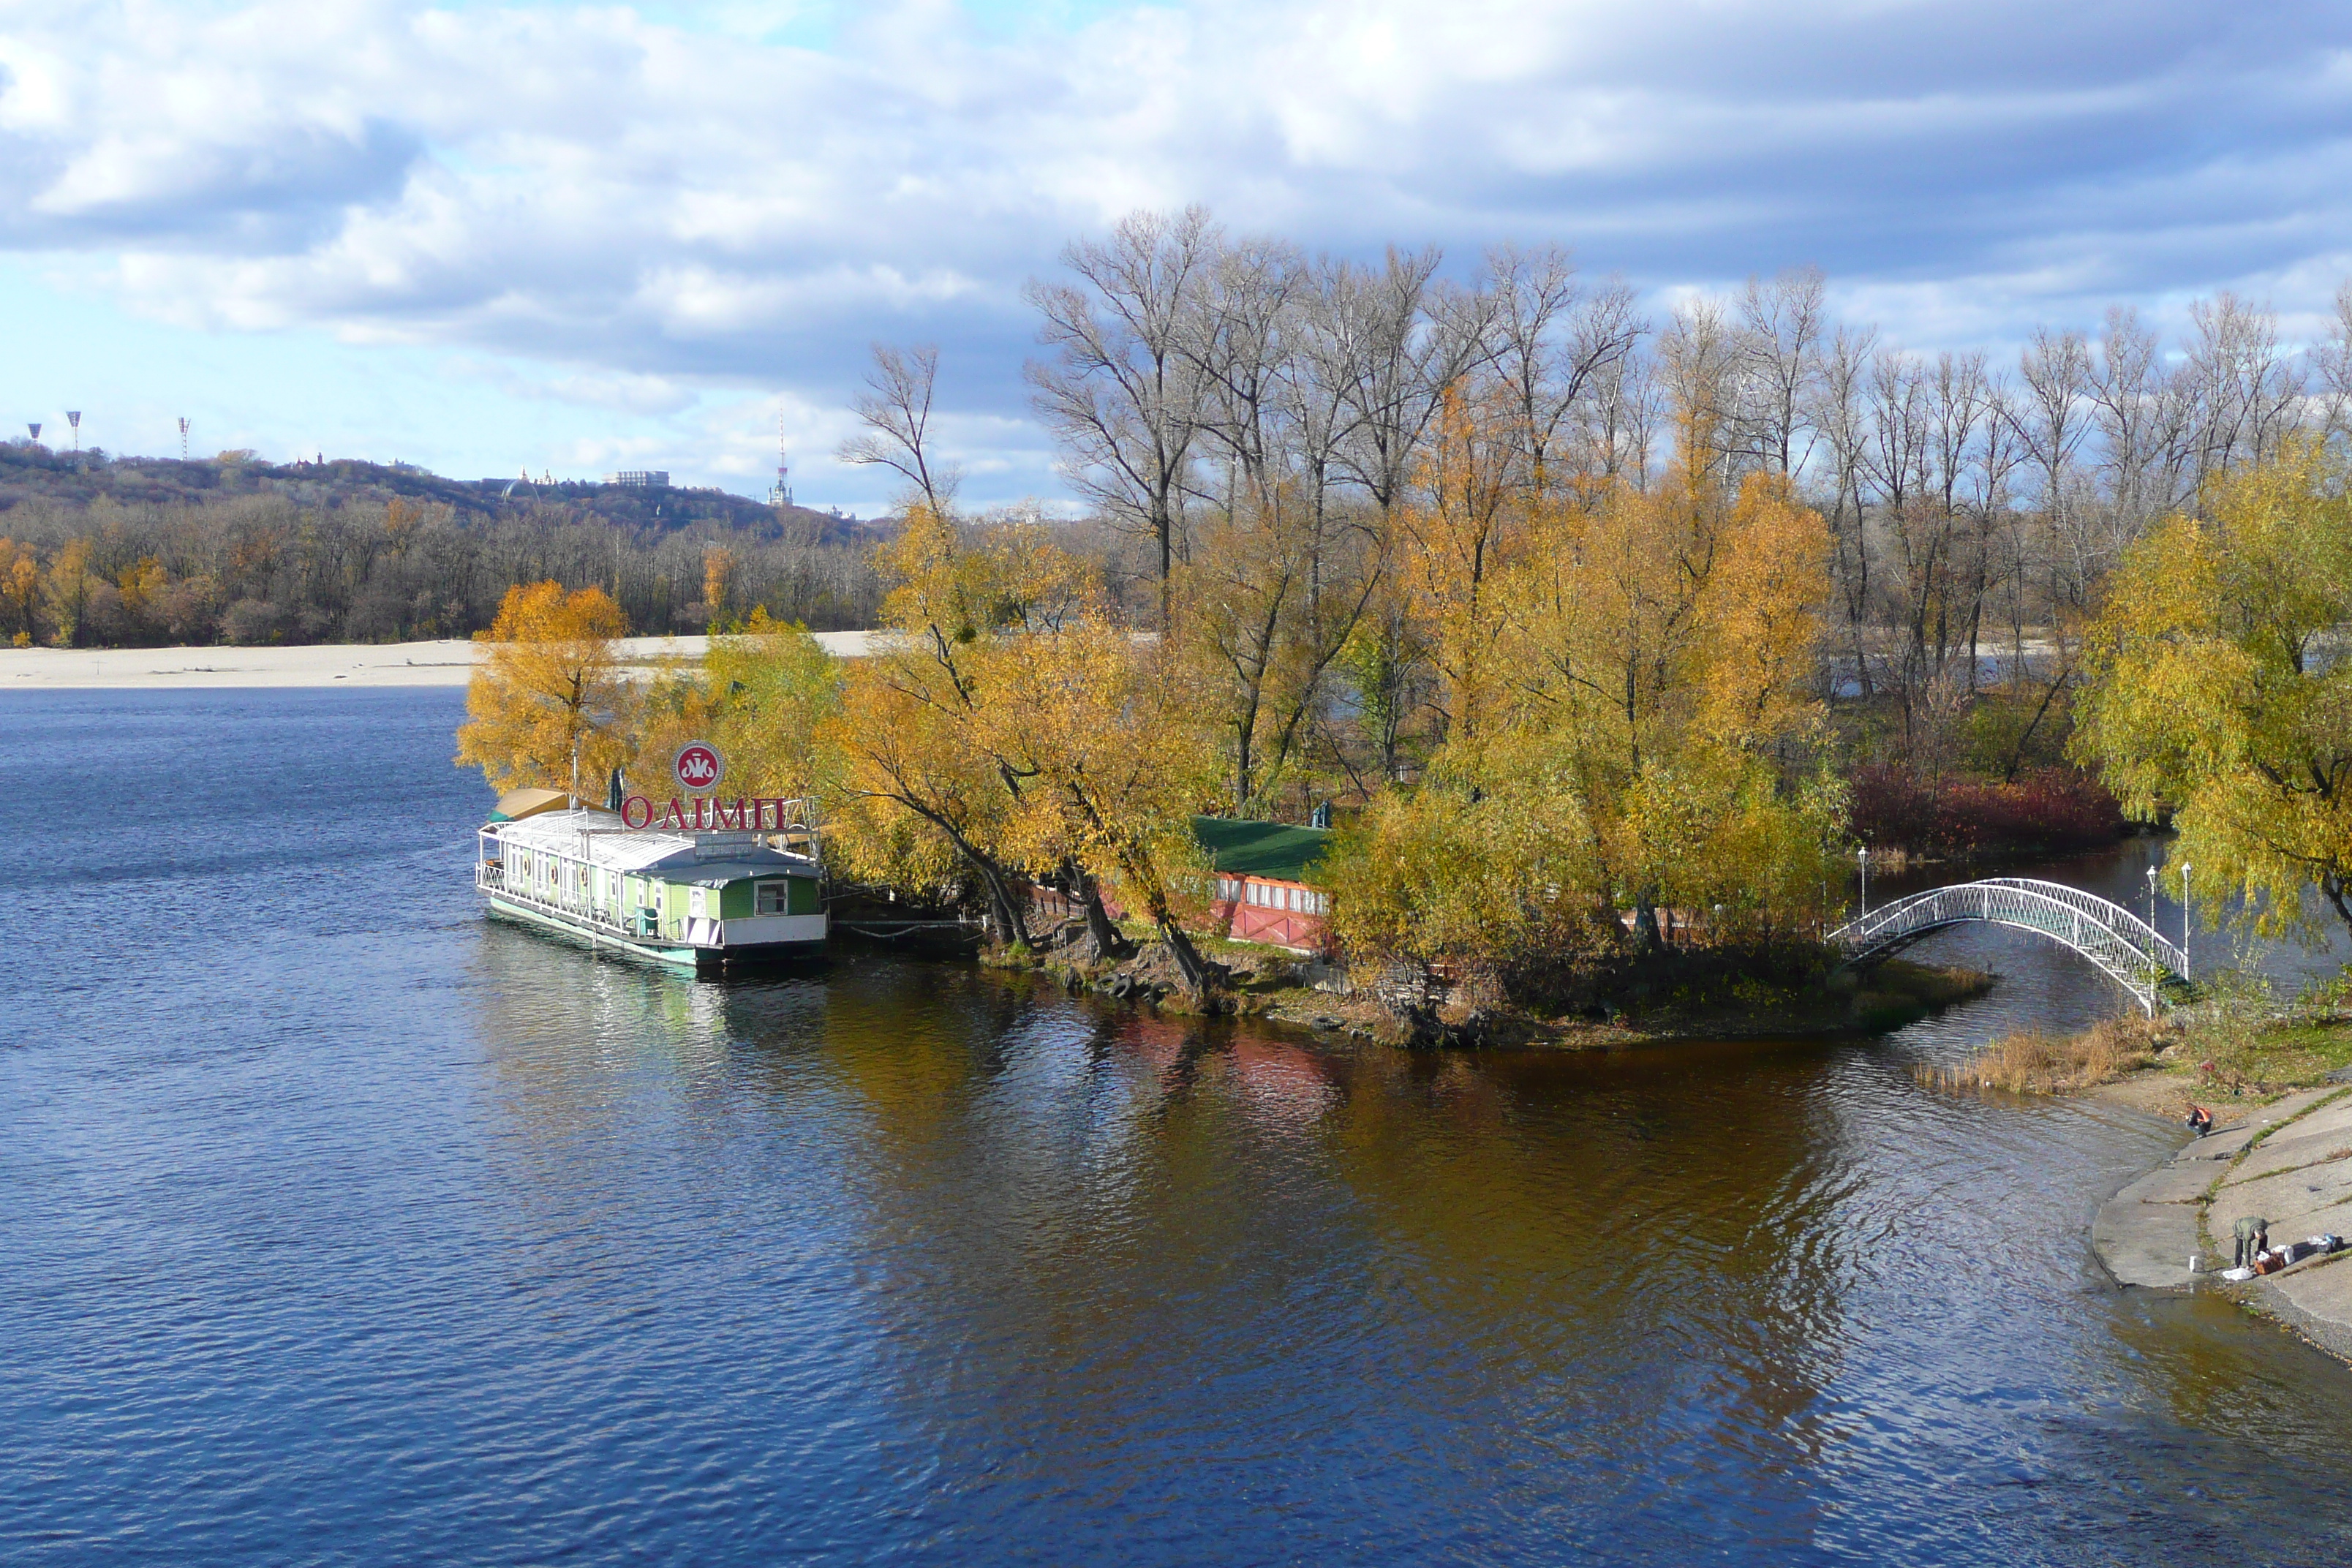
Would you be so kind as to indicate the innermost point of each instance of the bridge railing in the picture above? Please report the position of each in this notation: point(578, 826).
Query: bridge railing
point(2119, 942)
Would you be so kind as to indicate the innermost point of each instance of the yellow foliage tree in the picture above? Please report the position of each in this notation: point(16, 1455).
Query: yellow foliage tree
point(20, 590)
point(66, 589)
point(1476, 504)
point(551, 698)
point(763, 694)
point(1643, 701)
point(2220, 689)
point(920, 784)
point(1114, 763)
point(1263, 608)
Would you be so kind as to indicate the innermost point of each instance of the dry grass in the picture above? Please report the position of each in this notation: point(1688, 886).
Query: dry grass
point(2034, 1062)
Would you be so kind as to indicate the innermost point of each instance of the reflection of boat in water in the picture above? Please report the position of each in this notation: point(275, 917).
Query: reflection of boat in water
point(706, 901)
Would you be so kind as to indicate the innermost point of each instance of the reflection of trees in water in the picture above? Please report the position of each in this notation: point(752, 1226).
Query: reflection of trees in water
point(1638, 1234)
point(1620, 1254)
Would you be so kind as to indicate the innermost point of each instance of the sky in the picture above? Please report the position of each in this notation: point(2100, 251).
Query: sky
point(570, 238)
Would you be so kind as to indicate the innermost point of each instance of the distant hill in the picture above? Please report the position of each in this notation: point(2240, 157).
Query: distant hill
point(72, 481)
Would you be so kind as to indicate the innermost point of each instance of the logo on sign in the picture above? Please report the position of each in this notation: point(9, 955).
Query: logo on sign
point(698, 766)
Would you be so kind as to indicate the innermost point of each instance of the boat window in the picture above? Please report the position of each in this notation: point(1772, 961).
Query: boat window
point(774, 898)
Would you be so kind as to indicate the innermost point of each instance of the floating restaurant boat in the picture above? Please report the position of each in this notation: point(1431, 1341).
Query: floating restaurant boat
point(712, 887)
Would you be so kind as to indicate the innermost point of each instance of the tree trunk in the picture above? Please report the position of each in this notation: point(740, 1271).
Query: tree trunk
point(1190, 968)
point(1108, 940)
point(1003, 904)
point(1647, 939)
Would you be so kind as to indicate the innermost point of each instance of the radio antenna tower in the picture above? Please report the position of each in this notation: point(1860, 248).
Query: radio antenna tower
point(184, 437)
point(73, 417)
point(782, 494)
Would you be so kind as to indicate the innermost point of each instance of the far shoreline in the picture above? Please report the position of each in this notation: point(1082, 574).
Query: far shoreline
point(447, 662)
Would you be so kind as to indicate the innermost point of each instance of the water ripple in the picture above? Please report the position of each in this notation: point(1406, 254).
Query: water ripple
point(343, 1226)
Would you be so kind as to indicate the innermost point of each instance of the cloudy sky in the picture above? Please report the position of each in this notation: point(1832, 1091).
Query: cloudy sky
point(575, 238)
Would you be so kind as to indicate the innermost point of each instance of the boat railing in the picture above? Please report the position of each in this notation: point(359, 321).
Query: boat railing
point(489, 877)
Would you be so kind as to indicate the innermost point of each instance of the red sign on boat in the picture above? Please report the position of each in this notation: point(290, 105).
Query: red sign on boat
point(698, 766)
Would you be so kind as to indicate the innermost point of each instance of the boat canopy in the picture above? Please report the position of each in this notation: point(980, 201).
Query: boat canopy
point(599, 838)
point(518, 803)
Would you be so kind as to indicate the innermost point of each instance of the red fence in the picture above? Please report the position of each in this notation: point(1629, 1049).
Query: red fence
point(1249, 908)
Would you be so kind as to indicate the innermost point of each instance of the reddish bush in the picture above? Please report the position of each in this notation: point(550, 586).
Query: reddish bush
point(2050, 810)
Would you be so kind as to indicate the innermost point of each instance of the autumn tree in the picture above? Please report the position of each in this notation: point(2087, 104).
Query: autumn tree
point(762, 694)
point(920, 776)
point(1107, 747)
point(1642, 744)
point(1476, 496)
point(2219, 692)
point(1263, 611)
point(20, 590)
point(67, 590)
point(551, 702)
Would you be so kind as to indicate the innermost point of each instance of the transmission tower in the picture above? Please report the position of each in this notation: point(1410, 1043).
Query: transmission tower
point(184, 437)
point(782, 493)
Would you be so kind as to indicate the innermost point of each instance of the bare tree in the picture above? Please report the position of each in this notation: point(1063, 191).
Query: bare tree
point(1396, 339)
point(2137, 410)
point(1553, 340)
point(896, 409)
point(1781, 327)
point(2331, 362)
point(2054, 419)
point(2246, 396)
point(1840, 385)
point(1122, 395)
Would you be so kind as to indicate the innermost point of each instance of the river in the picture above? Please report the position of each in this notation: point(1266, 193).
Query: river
point(343, 1226)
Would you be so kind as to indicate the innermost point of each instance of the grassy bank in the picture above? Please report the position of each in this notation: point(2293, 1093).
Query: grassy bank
point(2236, 1040)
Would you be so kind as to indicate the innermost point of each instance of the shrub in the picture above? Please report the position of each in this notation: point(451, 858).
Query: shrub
point(2050, 810)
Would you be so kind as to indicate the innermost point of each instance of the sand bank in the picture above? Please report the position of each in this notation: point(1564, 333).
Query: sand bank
point(446, 663)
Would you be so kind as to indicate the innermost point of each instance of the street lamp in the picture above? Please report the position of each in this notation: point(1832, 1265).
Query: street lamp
point(1862, 856)
point(2184, 919)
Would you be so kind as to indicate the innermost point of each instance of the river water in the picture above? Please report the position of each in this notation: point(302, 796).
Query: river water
point(340, 1224)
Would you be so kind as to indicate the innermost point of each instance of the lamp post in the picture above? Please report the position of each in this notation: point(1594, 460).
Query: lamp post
point(1862, 859)
point(2185, 869)
point(2154, 970)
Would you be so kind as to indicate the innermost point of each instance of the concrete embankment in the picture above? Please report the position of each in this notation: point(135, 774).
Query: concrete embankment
point(2290, 1162)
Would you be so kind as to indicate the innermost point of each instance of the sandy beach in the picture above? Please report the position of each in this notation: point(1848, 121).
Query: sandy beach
point(449, 662)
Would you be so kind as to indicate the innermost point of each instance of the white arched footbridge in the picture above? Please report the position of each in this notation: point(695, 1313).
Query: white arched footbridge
point(2118, 941)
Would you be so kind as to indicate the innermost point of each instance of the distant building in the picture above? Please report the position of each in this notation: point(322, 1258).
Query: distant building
point(640, 479)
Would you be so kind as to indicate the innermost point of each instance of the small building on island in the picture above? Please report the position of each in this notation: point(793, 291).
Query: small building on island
point(1269, 886)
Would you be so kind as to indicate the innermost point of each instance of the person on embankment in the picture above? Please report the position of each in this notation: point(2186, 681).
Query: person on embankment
point(2253, 1237)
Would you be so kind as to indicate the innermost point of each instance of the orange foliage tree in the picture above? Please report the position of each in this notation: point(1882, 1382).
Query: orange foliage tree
point(551, 699)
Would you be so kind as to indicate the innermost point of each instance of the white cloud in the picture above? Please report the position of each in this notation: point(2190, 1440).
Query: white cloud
point(664, 205)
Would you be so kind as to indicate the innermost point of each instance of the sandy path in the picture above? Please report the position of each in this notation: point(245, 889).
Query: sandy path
point(446, 663)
